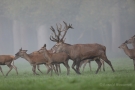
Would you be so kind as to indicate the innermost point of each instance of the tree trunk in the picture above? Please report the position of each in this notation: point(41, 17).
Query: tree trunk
point(16, 36)
point(42, 36)
point(24, 36)
point(115, 29)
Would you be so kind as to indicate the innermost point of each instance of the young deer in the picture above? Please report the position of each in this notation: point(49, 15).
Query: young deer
point(84, 62)
point(128, 52)
point(55, 58)
point(57, 66)
point(33, 59)
point(7, 60)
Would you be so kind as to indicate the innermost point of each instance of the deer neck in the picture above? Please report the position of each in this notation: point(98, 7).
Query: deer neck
point(67, 49)
point(47, 55)
point(27, 57)
point(127, 51)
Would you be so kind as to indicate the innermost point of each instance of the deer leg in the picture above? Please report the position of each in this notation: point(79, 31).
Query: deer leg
point(103, 65)
point(39, 69)
point(1, 71)
point(55, 69)
point(99, 64)
point(48, 68)
point(15, 69)
point(34, 70)
point(90, 65)
point(67, 66)
point(59, 69)
point(81, 63)
point(84, 66)
point(10, 66)
point(77, 66)
point(73, 66)
point(51, 69)
point(103, 57)
point(134, 63)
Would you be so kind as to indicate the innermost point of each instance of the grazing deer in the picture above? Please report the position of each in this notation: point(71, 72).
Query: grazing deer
point(7, 60)
point(84, 62)
point(57, 66)
point(131, 41)
point(33, 59)
point(55, 58)
point(128, 52)
point(78, 52)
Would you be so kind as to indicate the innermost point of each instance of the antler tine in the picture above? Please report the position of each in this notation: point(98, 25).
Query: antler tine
point(56, 36)
point(53, 30)
point(57, 27)
point(65, 24)
point(59, 31)
point(65, 29)
point(60, 26)
point(70, 26)
point(53, 39)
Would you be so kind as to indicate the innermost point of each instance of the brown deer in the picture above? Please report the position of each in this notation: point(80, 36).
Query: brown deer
point(84, 62)
point(128, 52)
point(7, 60)
point(131, 41)
point(57, 66)
point(55, 58)
point(33, 59)
point(78, 52)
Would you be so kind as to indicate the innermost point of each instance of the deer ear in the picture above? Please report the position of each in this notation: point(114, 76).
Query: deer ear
point(134, 36)
point(126, 41)
point(21, 49)
point(44, 45)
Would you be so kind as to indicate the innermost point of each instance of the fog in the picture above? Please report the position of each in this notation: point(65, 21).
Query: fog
point(26, 23)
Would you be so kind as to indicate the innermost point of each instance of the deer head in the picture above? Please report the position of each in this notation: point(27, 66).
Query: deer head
point(60, 39)
point(123, 45)
point(20, 53)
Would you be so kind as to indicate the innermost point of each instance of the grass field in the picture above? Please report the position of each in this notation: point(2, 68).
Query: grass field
point(123, 78)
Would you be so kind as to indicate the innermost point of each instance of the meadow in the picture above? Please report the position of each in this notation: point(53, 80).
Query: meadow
point(122, 79)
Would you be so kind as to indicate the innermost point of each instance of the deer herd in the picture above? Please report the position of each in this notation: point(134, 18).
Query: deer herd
point(62, 52)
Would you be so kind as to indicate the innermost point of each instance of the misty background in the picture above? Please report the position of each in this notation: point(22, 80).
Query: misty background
point(26, 23)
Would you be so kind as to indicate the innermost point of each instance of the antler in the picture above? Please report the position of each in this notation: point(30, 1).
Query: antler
point(56, 38)
point(59, 30)
point(65, 29)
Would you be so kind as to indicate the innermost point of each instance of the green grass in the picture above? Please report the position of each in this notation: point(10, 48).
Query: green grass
point(122, 78)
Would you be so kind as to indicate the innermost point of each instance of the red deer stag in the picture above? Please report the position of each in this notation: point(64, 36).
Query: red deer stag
point(7, 60)
point(55, 58)
point(33, 59)
point(84, 62)
point(128, 52)
point(131, 41)
point(78, 52)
